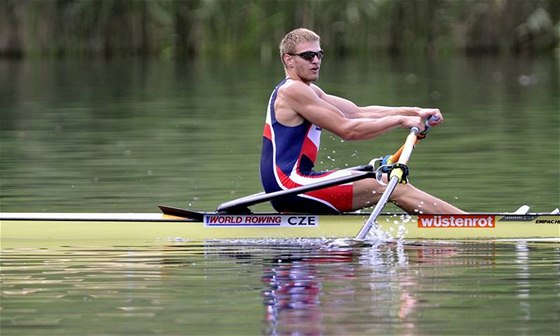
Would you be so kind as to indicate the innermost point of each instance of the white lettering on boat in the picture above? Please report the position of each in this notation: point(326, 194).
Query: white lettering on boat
point(456, 221)
point(260, 220)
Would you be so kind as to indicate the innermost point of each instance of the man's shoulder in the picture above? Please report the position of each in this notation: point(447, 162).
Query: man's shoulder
point(318, 91)
point(297, 88)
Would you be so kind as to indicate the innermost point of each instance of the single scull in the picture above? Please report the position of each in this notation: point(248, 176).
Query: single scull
point(235, 220)
point(182, 224)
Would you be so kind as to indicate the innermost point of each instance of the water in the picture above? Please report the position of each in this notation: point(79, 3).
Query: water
point(282, 288)
point(125, 135)
point(98, 136)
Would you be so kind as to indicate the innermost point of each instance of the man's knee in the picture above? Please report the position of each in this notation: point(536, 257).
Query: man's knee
point(401, 192)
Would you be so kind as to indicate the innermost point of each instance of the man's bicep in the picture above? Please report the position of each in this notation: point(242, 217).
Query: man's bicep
point(345, 106)
point(323, 114)
point(304, 100)
point(310, 106)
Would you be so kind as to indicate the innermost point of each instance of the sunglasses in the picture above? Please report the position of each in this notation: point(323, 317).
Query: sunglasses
point(310, 55)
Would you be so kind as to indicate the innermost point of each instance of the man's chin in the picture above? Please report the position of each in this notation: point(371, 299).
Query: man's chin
point(312, 78)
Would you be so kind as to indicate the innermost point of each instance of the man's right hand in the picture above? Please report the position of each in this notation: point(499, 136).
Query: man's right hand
point(412, 121)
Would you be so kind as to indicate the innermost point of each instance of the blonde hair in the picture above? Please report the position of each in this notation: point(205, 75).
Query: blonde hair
point(292, 39)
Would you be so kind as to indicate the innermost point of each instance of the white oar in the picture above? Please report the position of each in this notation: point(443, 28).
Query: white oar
point(240, 205)
point(397, 175)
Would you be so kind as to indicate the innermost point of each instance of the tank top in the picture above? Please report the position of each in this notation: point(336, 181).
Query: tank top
point(288, 152)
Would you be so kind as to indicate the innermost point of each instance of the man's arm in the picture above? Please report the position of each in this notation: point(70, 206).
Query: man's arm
point(298, 100)
point(351, 110)
point(424, 113)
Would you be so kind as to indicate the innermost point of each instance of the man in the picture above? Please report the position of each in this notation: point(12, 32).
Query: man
point(297, 112)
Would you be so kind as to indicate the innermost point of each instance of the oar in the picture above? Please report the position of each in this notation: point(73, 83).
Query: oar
point(397, 174)
point(395, 157)
point(240, 205)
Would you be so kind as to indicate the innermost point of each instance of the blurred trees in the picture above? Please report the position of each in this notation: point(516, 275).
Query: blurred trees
point(235, 28)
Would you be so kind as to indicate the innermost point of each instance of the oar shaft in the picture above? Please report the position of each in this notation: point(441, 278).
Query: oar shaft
point(378, 208)
point(395, 157)
point(241, 205)
point(394, 179)
point(411, 140)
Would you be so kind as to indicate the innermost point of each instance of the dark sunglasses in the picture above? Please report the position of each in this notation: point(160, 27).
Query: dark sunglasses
point(310, 55)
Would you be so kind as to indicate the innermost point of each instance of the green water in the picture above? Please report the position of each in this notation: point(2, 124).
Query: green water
point(282, 288)
point(125, 135)
point(97, 136)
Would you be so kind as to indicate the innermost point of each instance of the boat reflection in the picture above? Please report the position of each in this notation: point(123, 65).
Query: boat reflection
point(279, 287)
point(317, 293)
point(292, 297)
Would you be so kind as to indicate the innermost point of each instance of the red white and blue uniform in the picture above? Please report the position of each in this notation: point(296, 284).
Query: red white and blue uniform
point(288, 156)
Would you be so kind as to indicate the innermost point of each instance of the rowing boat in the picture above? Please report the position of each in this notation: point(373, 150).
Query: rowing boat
point(175, 224)
point(234, 219)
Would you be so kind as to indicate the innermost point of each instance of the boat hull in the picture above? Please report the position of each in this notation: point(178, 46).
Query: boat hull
point(73, 229)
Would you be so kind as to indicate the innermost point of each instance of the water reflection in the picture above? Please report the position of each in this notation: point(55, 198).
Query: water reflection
point(354, 291)
point(293, 295)
point(125, 135)
point(294, 287)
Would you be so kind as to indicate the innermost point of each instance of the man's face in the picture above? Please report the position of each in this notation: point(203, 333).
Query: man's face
point(306, 61)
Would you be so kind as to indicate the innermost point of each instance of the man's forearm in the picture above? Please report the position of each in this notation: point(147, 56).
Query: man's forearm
point(376, 111)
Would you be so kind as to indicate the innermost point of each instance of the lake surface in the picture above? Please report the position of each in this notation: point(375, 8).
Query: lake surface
point(282, 288)
point(125, 135)
point(97, 136)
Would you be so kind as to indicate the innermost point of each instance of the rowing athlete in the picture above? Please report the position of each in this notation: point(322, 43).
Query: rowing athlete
point(298, 110)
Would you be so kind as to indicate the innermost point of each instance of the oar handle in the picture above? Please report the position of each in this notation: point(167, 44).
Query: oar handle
point(427, 126)
point(419, 135)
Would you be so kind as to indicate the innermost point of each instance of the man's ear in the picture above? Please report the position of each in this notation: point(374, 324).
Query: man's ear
point(287, 59)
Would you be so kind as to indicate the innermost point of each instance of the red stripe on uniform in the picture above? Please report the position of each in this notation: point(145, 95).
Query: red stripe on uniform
point(309, 148)
point(267, 133)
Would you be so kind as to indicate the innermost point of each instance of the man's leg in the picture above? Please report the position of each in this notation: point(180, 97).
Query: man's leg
point(407, 197)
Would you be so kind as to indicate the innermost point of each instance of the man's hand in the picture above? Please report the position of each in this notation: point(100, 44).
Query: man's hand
point(434, 113)
point(412, 121)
